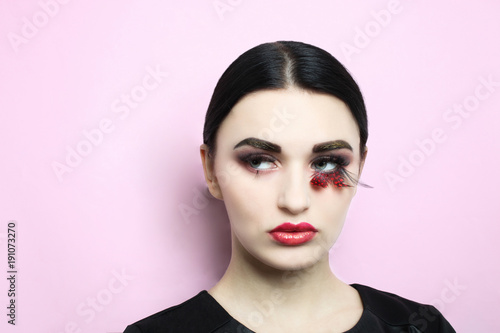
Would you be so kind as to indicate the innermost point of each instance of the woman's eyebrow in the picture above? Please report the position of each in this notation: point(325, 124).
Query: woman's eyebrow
point(331, 145)
point(258, 143)
point(269, 146)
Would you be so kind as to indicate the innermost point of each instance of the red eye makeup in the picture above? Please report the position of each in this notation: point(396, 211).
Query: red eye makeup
point(338, 176)
point(330, 170)
point(324, 179)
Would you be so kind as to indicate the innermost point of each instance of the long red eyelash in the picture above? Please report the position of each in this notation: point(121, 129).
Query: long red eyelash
point(337, 178)
point(323, 179)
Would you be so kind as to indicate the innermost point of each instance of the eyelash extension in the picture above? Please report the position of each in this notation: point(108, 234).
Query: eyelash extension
point(336, 177)
point(323, 179)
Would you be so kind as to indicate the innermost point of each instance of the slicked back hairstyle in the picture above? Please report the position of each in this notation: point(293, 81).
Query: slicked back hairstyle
point(280, 65)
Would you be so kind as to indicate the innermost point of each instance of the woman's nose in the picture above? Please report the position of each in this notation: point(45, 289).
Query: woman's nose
point(294, 194)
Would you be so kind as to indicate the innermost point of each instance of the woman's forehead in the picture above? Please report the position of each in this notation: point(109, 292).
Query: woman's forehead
point(288, 117)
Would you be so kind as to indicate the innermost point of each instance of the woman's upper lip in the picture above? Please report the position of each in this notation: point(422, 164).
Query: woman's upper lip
point(290, 227)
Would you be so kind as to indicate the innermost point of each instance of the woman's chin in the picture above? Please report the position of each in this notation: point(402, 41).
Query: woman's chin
point(293, 259)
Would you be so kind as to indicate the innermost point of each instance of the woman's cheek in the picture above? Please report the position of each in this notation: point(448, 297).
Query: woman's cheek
point(239, 199)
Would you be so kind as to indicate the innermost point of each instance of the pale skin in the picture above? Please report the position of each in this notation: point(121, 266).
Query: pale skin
point(268, 286)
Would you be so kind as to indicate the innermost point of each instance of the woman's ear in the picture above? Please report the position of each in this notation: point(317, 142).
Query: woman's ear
point(208, 169)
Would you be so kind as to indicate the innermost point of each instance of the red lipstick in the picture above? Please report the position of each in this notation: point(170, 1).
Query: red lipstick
point(293, 234)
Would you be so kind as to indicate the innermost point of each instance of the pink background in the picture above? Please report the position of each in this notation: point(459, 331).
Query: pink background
point(427, 231)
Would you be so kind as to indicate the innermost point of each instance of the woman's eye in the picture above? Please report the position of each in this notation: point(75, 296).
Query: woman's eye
point(260, 164)
point(325, 166)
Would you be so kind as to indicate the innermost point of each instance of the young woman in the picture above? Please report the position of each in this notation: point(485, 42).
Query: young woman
point(284, 146)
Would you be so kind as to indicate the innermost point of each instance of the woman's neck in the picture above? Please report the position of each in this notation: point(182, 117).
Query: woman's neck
point(256, 294)
point(245, 273)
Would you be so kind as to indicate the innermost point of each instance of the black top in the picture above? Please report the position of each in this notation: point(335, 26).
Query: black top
point(382, 312)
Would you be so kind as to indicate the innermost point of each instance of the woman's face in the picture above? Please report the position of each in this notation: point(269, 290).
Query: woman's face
point(268, 148)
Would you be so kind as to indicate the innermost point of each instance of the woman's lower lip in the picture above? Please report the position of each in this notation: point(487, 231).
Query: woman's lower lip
point(292, 238)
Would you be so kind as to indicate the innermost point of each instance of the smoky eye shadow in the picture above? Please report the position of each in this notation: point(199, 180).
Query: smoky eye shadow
point(246, 156)
point(341, 158)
